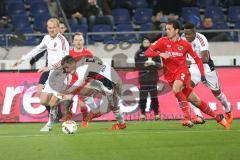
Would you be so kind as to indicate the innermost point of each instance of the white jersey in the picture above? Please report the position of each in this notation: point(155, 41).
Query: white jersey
point(199, 44)
point(57, 48)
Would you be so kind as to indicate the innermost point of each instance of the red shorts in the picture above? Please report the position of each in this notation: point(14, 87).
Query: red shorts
point(182, 75)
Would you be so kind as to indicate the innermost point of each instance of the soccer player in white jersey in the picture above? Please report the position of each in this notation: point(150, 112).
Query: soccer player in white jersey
point(86, 78)
point(200, 46)
point(57, 47)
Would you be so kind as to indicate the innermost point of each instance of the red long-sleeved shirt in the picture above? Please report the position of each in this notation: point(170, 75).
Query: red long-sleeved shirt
point(177, 50)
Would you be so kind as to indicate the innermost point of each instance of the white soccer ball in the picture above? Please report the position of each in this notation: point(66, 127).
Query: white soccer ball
point(69, 127)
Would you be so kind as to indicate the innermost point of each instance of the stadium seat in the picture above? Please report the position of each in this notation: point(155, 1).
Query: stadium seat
point(102, 28)
point(145, 27)
point(79, 28)
point(5, 30)
point(20, 21)
point(194, 20)
point(139, 4)
point(10, 2)
point(25, 30)
point(38, 8)
point(224, 25)
point(143, 15)
point(16, 9)
point(125, 37)
point(206, 3)
point(40, 23)
point(220, 25)
point(190, 11)
point(216, 13)
point(234, 13)
point(121, 16)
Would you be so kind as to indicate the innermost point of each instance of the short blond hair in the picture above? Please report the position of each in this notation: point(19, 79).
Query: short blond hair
point(54, 20)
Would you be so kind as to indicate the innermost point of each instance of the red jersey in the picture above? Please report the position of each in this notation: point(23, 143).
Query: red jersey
point(177, 50)
point(78, 55)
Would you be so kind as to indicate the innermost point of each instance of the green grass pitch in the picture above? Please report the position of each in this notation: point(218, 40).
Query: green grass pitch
point(162, 140)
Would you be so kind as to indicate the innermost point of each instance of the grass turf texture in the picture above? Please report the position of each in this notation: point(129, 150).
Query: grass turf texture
point(163, 140)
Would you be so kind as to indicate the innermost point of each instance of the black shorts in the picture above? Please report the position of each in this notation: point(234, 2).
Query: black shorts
point(43, 78)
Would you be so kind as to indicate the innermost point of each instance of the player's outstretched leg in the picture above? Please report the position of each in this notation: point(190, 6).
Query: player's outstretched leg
point(219, 117)
point(198, 117)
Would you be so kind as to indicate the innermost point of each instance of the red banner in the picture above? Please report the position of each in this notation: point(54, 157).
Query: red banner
point(19, 103)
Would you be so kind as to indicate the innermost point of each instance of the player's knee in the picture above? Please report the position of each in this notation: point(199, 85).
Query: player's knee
point(176, 90)
point(44, 102)
point(216, 93)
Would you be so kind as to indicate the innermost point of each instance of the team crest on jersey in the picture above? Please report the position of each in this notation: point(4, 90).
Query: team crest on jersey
point(180, 48)
point(55, 44)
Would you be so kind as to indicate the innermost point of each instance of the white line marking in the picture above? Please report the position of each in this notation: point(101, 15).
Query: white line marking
point(115, 132)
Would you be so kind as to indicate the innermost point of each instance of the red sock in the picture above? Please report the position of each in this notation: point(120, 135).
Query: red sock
point(206, 109)
point(183, 104)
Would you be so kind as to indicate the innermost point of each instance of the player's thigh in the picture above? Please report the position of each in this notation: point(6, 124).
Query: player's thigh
point(45, 98)
point(195, 74)
point(182, 80)
point(212, 81)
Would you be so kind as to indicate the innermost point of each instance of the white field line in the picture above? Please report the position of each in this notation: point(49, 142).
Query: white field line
point(50, 134)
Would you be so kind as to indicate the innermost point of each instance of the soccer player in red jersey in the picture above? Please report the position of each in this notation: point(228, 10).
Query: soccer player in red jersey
point(78, 51)
point(173, 50)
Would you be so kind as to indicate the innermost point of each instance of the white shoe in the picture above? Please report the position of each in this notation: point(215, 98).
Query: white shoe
point(46, 128)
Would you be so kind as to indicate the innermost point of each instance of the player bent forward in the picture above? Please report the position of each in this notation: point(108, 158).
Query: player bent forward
point(88, 78)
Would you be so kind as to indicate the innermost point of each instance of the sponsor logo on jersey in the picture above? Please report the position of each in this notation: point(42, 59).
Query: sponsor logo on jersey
point(180, 48)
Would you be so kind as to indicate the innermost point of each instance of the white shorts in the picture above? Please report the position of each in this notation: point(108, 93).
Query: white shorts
point(47, 88)
point(211, 76)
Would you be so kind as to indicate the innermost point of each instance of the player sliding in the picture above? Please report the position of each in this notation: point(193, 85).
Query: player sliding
point(86, 78)
point(173, 50)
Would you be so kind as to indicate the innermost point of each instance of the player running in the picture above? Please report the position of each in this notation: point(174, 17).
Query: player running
point(200, 46)
point(173, 50)
point(57, 47)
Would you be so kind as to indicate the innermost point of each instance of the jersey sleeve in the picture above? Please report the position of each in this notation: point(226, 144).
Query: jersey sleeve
point(203, 43)
point(196, 58)
point(152, 50)
point(38, 49)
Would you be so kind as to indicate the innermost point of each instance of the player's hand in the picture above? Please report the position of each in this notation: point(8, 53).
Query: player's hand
point(188, 62)
point(165, 55)
point(19, 61)
point(203, 79)
point(149, 62)
point(44, 69)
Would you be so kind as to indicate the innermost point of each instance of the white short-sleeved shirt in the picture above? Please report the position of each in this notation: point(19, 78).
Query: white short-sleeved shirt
point(199, 44)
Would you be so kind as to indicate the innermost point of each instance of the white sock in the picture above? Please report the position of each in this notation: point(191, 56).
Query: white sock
point(91, 104)
point(223, 99)
point(119, 116)
point(52, 115)
point(196, 110)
